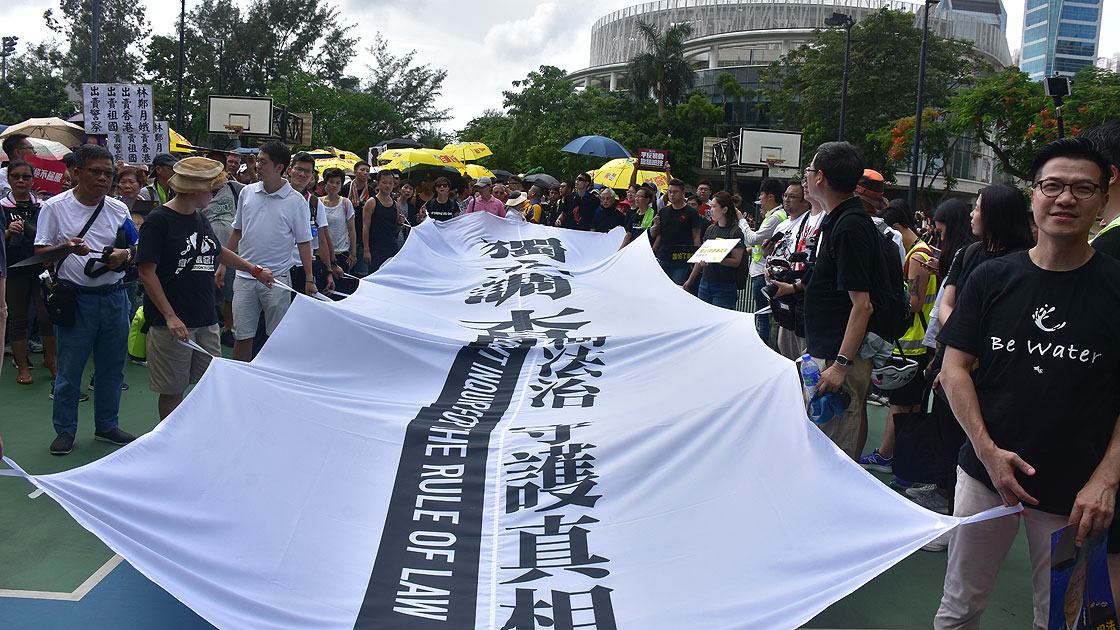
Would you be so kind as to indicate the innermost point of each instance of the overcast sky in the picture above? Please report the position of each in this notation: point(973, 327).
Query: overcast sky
point(483, 46)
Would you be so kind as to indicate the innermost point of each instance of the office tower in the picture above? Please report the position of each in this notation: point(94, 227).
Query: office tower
point(1060, 36)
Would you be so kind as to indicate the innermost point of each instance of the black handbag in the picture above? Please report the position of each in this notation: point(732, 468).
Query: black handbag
point(62, 299)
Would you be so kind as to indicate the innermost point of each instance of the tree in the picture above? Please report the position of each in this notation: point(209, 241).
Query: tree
point(1011, 114)
point(346, 119)
point(939, 141)
point(544, 112)
point(730, 88)
point(411, 90)
point(662, 69)
point(34, 87)
point(243, 54)
point(121, 25)
point(803, 88)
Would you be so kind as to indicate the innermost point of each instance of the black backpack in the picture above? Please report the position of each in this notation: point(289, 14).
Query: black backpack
point(892, 316)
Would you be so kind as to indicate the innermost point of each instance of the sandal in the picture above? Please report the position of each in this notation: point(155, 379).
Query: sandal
point(23, 377)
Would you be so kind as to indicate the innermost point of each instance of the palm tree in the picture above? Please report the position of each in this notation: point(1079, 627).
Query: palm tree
point(662, 69)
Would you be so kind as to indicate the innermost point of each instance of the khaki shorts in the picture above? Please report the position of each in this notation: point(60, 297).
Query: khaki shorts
point(172, 367)
point(251, 298)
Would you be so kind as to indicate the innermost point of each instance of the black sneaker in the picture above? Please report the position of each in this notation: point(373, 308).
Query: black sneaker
point(227, 338)
point(63, 444)
point(112, 436)
point(82, 396)
point(124, 386)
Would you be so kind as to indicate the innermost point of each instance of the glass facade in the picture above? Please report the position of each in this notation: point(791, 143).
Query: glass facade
point(1059, 36)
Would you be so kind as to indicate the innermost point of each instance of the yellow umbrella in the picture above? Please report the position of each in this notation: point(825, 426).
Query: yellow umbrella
point(405, 158)
point(328, 152)
point(179, 144)
point(321, 165)
point(477, 170)
point(466, 151)
point(619, 173)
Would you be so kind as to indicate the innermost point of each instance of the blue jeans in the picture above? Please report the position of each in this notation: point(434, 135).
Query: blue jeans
point(676, 270)
point(100, 326)
point(723, 294)
point(761, 322)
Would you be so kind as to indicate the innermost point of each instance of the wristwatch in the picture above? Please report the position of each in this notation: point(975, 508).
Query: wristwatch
point(843, 361)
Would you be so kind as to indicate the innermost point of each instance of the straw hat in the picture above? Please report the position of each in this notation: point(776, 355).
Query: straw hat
point(197, 174)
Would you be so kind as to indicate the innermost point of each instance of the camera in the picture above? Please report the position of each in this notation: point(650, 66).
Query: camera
point(781, 270)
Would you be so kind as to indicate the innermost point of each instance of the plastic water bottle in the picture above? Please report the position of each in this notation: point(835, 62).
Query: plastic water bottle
point(810, 374)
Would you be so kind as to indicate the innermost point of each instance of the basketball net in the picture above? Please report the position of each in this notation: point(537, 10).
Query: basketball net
point(773, 162)
point(233, 131)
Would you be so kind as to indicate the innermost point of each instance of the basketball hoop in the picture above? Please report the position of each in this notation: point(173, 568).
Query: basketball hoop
point(772, 162)
point(233, 131)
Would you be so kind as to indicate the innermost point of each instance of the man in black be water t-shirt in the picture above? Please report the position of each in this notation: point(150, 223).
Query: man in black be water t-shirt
point(676, 233)
point(1041, 409)
point(178, 256)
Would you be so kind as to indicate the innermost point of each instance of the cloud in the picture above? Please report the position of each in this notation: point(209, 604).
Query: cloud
point(529, 38)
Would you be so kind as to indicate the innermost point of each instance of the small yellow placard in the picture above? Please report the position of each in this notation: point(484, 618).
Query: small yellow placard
point(714, 250)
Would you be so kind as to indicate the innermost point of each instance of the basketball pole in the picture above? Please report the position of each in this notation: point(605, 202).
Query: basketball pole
point(179, 91)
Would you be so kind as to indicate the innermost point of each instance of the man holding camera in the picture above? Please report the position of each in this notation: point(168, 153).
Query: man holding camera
point(99, 229)
point(769, 194)
point(797, 234)
point(838, 287)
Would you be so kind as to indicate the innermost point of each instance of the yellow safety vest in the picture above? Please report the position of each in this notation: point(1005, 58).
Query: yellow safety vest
point(1115, 222)
point(756, 253)
point(911, 342)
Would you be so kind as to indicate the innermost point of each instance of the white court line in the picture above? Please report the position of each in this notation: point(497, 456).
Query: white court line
point(78, 593)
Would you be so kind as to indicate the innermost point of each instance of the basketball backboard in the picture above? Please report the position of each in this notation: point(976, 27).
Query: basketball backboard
point(252, 114)
point(780, 151)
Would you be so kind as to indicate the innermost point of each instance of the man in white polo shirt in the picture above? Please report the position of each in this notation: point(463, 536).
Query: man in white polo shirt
point(271, 219)
point(92, 274)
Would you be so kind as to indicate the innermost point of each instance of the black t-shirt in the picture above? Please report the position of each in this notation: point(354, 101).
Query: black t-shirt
point(579, 212)
point(1108, 243)
point(676, 232)
point(634, 225)
point(606, 220)
point(442, 211)
point(22, 245)
point(383, 228)
point(845, 259)
point(185, 251)
point(721, 272)
point(1049, 360)
point(966, 261)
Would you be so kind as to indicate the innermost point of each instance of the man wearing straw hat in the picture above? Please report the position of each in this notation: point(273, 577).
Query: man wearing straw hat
point(178, 255)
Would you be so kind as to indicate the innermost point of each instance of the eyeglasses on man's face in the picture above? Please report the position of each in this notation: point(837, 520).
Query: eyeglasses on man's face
point(1081, 190)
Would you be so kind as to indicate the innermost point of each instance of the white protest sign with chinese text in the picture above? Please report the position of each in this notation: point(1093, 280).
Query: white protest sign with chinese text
point(117, 108)
point(140, 148)
point(489, 447)
point(714, 250)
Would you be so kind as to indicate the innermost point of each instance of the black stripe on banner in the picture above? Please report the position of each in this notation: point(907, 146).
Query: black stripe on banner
point(426, 571)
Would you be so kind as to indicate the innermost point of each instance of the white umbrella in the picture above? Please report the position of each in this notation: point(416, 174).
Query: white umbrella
point(49, 129)
point(45, 148)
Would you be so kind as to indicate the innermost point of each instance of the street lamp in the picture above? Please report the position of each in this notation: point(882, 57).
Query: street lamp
point(913, 196)
point(9, 49)
point(845, 21)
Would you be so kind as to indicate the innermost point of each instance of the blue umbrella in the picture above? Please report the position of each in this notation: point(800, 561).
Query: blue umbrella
point(598, 146)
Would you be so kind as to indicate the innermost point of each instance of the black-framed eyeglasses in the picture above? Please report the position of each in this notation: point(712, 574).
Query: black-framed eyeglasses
point(301, 170)
point(810, 169)
point(1080, 190)
point(20, 177)
point(791, 197)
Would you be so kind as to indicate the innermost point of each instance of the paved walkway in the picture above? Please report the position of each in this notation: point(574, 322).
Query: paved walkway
point(54, 574)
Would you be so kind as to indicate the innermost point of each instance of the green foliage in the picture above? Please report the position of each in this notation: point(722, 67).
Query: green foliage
point(34, 87)
point(938, 141)
point(803, 88)
point(544, 112)
point(730, 90)
point(345, 119)
point(662, 69)
point(411, 90)
point(122, 24)
point(1012, 115)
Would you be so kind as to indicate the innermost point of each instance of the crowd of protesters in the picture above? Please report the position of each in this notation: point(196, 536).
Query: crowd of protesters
point(1007, 302)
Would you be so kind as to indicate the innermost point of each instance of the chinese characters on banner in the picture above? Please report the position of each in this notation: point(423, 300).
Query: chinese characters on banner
point(140, 148)
point(48, 174)
point(652, 159)
point(111, 108)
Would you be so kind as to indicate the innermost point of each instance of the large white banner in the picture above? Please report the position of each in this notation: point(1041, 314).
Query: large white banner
point(507, 427)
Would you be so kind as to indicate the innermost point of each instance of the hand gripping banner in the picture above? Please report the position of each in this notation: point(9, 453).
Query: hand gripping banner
point(507, 427)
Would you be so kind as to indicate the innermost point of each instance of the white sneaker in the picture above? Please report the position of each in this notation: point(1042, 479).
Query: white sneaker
point(929, 498)
point(941, 543)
